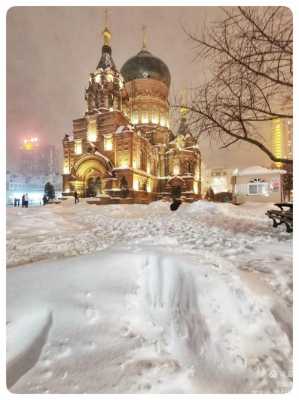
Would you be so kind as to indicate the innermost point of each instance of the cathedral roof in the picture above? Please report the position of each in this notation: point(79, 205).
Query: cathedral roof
point(145, 65)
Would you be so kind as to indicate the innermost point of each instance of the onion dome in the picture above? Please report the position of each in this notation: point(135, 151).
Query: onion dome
point(145, 65)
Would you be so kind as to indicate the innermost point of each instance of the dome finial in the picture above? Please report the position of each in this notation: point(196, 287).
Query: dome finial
point(143, 37)
point(106, 32)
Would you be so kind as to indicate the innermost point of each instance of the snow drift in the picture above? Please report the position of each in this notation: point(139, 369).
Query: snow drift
point(199, 301)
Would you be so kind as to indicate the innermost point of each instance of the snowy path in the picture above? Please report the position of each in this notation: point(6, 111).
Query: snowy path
point(196, 301)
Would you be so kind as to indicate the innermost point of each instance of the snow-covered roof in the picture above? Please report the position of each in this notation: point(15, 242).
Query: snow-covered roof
point(124, 128)
point(257, 170)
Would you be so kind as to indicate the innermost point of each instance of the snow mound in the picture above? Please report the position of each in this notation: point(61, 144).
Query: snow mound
point(25, 339)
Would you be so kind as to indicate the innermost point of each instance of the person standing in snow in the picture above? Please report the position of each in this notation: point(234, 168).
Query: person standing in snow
point(45, 200)
point(26, 200)
point(23, 201)
point(76, 197)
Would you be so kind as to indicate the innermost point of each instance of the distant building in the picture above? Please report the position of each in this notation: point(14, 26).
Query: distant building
point(36, 159)
point(219, 179)
point(259, 184)
point(18, 184)
point(282, 140)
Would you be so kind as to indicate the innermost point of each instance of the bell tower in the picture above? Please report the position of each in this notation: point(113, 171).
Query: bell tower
point(105, 84)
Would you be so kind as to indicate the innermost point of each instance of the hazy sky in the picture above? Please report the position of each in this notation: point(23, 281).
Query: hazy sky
point(52, 50)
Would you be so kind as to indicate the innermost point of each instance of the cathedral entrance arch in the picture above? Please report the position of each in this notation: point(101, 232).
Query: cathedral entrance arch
point(92, 170)
point(93, 186)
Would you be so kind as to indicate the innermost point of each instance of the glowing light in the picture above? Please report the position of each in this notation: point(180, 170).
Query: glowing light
point(149, 185)
point(92, 131)
point(155, 117)
point(97, 78)
point(134, 117)
point(195, 187)
point(135, 183)
point(123, 163)
point(277, 140)
point(162, 121)
point(135, 164)
point(176, 170)
point(108, 143)
point(78, 146)
point(148, 168)
point(144, 117)
point(109, 77)
point(66, 169)
point(30, 143)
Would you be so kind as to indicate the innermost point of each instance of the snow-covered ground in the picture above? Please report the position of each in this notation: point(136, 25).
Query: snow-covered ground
point(138, 299)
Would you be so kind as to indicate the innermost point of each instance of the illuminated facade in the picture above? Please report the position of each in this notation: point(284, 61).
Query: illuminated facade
point(282, 139)
point(123, 148)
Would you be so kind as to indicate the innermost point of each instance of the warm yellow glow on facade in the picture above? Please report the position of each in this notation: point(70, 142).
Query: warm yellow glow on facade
point(195, 187)
point(277, 140)
point(144, 117)
point(155, 117)
point(176, 169)
point(109, 77)
point(97, 78)
point(135, 165)
point(162, 120)
point(92, 131)
point(123, 163)
point(148, 168)
point(78, 146)
point(66, 169)
point(149, 185)
point(134, 118)
point(108, 143)
point(135, 183)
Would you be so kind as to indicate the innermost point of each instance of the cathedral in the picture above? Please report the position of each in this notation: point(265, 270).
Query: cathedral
point(123, 149)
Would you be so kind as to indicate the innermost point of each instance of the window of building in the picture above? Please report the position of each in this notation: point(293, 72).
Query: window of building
point(155, 117)
point(144, 117)
point(108, 142)
point(78, 146)
point(92, 131)
point(258, 187)
point(135, 117)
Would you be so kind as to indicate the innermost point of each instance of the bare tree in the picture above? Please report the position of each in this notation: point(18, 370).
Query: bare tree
point(250, 52)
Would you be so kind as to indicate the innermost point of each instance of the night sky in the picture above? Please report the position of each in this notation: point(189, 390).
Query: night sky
point(52, 50)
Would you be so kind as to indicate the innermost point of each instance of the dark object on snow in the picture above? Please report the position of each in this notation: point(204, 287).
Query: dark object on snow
point(210, 196)
point(45, 199)
point(223, 197)
point(49, 191)
point(175, 204)
point(76, 197)
point(284, 216)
